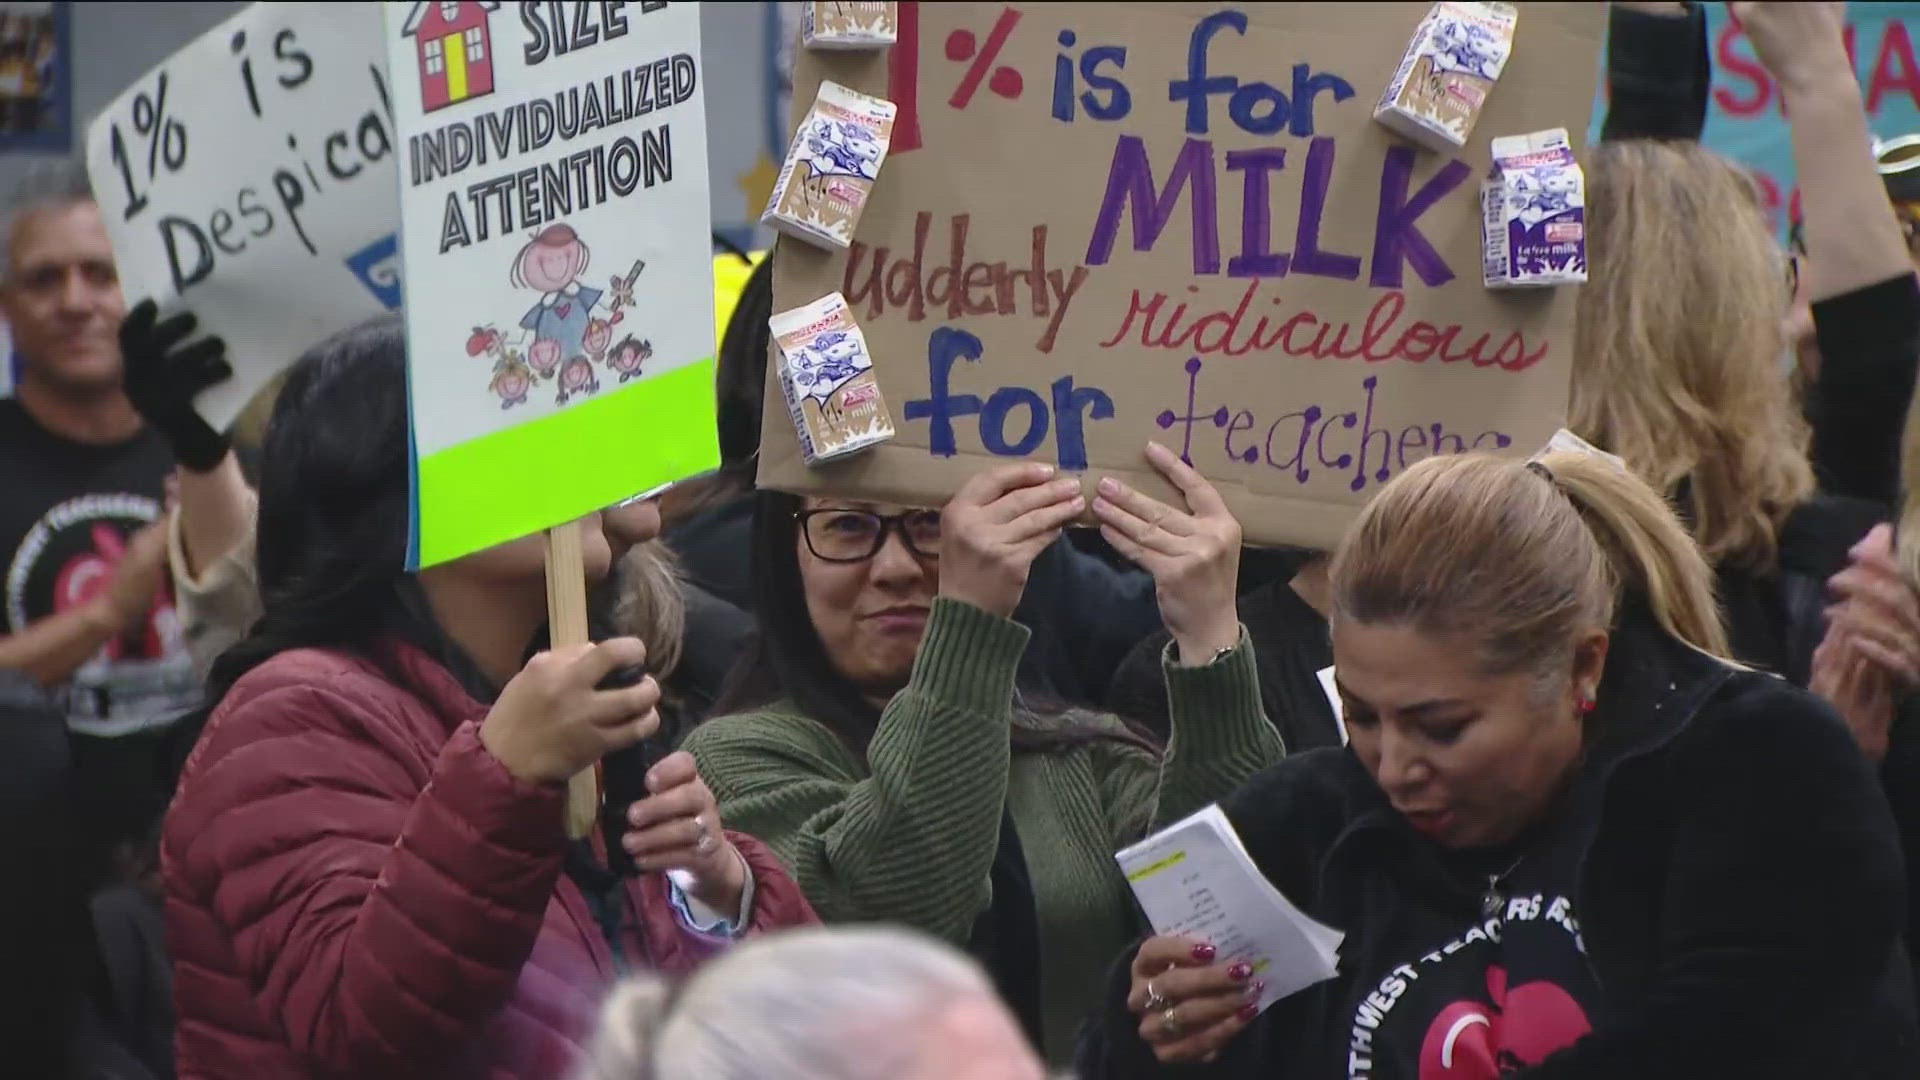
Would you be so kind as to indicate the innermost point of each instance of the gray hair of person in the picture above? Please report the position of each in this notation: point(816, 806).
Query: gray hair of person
point(45, 183)
point(653, 605)
point(841, 1003)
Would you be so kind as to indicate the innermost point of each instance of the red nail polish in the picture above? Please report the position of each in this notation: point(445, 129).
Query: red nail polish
point(1240, 972)
point(1248, 1012)
point(1203, 952)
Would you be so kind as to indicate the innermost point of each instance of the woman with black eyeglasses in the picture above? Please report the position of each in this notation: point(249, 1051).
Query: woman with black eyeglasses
point(878, 739)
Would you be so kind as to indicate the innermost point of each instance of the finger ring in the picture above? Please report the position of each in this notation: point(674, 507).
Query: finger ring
point(1155, 1003)
point(1170, 1023)
point(707, 842)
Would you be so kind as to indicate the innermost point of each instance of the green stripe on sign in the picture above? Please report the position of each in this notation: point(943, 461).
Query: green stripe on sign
point(536, 475)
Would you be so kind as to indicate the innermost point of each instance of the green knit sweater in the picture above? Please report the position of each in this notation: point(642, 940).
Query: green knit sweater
point(909, 835)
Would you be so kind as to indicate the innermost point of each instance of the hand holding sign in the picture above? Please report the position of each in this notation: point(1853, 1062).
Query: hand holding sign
point(1194, 556)
point(551, 722)
point(991, 532)
point(164, 375)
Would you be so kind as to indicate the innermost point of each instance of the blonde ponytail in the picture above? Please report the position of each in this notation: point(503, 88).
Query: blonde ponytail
point(1649, 549)
point(1522, 559)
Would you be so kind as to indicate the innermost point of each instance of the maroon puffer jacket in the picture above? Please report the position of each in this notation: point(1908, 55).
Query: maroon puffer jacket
point(357, 888)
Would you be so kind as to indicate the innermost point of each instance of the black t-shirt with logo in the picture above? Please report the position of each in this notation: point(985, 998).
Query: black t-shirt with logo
point(1476, 969)
point(66, 516)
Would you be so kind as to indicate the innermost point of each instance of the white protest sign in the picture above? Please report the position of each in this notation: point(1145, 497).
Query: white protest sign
point(251, 179)
point(558, 246)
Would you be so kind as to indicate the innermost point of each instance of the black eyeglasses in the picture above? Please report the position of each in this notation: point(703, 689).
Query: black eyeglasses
point(840, 535)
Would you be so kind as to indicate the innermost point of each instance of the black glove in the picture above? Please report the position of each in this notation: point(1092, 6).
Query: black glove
point(162, 379)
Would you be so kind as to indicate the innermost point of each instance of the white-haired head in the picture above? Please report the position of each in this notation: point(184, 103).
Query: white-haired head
point(848, 1003)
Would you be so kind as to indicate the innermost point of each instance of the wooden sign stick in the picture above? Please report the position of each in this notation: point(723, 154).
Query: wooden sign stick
point(567, 620)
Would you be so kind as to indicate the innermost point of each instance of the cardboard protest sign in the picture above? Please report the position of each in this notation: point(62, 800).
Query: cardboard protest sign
point(1179, 222)
point(251, 178)
point(558, 250)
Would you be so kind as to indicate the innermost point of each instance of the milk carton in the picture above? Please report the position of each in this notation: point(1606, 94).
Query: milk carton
point(848, 25)
point(831, 167)
point(827, 376)
point(1456, 54)
point(1534, 227)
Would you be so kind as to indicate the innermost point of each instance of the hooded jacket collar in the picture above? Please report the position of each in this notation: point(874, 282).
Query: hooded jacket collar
point(1652, 688)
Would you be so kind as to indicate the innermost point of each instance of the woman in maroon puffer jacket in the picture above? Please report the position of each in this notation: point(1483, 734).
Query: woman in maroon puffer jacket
point(366, 869)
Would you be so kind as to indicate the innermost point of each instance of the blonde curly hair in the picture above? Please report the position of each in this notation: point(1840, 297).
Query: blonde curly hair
point(653, 604)
point(1678, 341)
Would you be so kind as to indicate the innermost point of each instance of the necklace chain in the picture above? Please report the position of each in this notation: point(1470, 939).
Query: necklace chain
point(1495, 898)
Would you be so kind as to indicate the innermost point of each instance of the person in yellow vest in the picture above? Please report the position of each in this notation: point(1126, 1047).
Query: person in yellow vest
point(730, 273)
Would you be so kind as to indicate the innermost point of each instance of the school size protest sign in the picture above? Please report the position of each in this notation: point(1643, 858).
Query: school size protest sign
point(556, 235)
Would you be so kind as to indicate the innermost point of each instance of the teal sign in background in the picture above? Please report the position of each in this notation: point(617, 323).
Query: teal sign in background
point(1744, 118)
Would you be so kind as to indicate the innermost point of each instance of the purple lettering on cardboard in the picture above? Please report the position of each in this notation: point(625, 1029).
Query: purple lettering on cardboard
point(1307, 256)
point(1397, 235)
point(1325, 433)
point(1130, 181)
point(1256, 258)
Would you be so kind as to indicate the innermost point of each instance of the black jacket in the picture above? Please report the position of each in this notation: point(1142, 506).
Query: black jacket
point(1742, 895)
point(1776, 620)
point(1290, 646)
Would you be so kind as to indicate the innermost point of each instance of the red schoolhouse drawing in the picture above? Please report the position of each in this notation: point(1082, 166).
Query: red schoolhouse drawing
point(453, 48)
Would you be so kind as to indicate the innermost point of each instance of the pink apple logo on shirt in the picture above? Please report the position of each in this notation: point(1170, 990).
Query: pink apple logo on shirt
point(1473, 1040)
point(90, 573)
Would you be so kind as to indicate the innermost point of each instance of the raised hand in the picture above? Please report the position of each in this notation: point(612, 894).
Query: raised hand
point(551, 722)
point(1193, 554)
point(1796, 40)
point(163, 376)
point(995, 526)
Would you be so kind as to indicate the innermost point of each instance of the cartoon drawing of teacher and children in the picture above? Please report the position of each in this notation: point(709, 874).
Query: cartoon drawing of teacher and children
point(564, 337)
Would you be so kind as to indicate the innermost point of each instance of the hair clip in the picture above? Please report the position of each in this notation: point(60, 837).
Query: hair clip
point(1568, 442)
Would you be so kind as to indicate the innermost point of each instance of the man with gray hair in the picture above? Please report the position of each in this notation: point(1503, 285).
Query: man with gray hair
point(88, 607)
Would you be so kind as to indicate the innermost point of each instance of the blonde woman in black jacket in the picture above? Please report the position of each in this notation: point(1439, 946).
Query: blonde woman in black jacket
point(1567, 840)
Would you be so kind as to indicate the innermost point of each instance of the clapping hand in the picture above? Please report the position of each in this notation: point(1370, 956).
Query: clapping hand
point(1872, 645)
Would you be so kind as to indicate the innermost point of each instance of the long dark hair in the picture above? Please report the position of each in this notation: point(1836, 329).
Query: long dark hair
point(739, 384)
point(334, 518)
point(786, 659)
